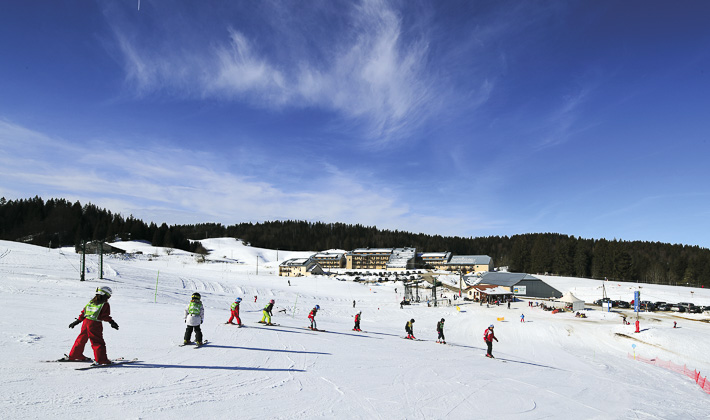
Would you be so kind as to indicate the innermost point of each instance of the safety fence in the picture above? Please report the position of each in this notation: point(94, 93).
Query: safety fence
point(702, 382)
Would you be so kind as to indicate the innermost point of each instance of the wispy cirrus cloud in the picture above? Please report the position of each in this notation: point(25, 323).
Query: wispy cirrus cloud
point(369, 68)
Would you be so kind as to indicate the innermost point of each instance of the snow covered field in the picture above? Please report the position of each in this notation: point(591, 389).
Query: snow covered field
point(552, 366)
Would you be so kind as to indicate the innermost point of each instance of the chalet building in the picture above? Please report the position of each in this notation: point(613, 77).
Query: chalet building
point(435, 260)
point(368, 258)
point(519, 284)
point(402, 259)
point(330, 259)
point(469, 263)
point(300, 267)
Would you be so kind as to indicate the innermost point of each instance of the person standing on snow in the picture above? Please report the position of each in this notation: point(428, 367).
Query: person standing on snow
point(440, 330)
point(522, 317)
point(488, 337)
point(91, 317)
point(357, 321)
point(312, 317)
point(266, 319)
point(234, 312)
point(409, 328)
point(194, 317)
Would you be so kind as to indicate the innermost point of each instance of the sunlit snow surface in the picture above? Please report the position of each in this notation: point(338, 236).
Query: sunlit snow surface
point(552, 366)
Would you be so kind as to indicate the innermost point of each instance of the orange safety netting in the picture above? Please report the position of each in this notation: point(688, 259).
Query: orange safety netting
point(667, 364)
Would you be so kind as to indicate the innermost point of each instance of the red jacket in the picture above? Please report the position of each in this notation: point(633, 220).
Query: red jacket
point(489, 336)
point(357, 317)
point(313, 313)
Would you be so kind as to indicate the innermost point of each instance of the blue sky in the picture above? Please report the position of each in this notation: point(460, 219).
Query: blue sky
point(469, 118)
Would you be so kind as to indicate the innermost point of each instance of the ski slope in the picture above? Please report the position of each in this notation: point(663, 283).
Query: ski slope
point(552, 366)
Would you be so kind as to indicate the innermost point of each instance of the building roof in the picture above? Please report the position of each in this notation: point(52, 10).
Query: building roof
point(470, 260)
point(293, 262)
point(505, 279)
point(372, 251)
point(328, 255)
point(400, 257)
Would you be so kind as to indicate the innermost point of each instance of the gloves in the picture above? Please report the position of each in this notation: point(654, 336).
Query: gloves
point(74, 324)
point(113, 324)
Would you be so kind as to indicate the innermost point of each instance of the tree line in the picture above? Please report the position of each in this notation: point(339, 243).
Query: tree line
point(58, 222)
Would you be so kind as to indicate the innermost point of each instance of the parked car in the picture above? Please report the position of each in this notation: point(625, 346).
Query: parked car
point(647, 305)
point(621, 304)
point(658, 304)
point(687, 305)
point(695, 310)
point(664, 307)
point(598, 302)
point(677, 308)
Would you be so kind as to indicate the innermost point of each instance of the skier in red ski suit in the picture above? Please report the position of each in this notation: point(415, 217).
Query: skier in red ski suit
point(357, 321)
point(91, 317)
point(312, 317)
point(234, 312)
point(488, 337)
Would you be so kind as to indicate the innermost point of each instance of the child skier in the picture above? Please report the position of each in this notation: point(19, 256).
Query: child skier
point(440, 330)
point(522, 317)
point(357, 321)
point(234, 312)
point(409, 328)
point(488, 337)
point(266, 319)
point(312, 317)
point(194, 316)
point(91, 317)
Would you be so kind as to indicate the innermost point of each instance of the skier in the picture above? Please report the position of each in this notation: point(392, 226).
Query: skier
point(91, 317)
point(488, 337)
point(234, 312)
point(522, 317)
point(357, 321)
point(312, 317)
point(254, 299)
point(194, 316)
point(508, 304)
point(266, 319)
point(353, 304)
point(440, 330)
point(409, 328)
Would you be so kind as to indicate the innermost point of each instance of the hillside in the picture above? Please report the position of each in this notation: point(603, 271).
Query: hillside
point(551, 366)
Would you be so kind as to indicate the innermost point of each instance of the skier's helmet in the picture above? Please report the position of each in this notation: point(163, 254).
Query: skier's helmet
point(317, 307)
point(238, 300)
point(271, 301)
point(442, 319)
point(490, 326)
point(196, 296)
point(411, 320)
point(104, 290)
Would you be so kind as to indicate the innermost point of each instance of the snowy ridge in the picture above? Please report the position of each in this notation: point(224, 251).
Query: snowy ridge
point(554, 364)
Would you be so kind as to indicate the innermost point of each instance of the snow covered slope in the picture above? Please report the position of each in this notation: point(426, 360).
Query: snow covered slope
point(552, 366)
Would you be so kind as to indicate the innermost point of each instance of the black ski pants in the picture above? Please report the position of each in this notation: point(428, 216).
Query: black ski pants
point(490, 347)
point(198, 333)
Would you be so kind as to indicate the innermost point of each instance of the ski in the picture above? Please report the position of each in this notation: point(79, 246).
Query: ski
point(67, 359)
point(413, 339)
point(237, 325)
point(197, 346)
point(267, 325)
point(315, 329)
point(114, 362)
point(192, 343)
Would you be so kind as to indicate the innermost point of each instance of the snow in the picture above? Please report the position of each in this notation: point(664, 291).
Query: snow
point(549, 367)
